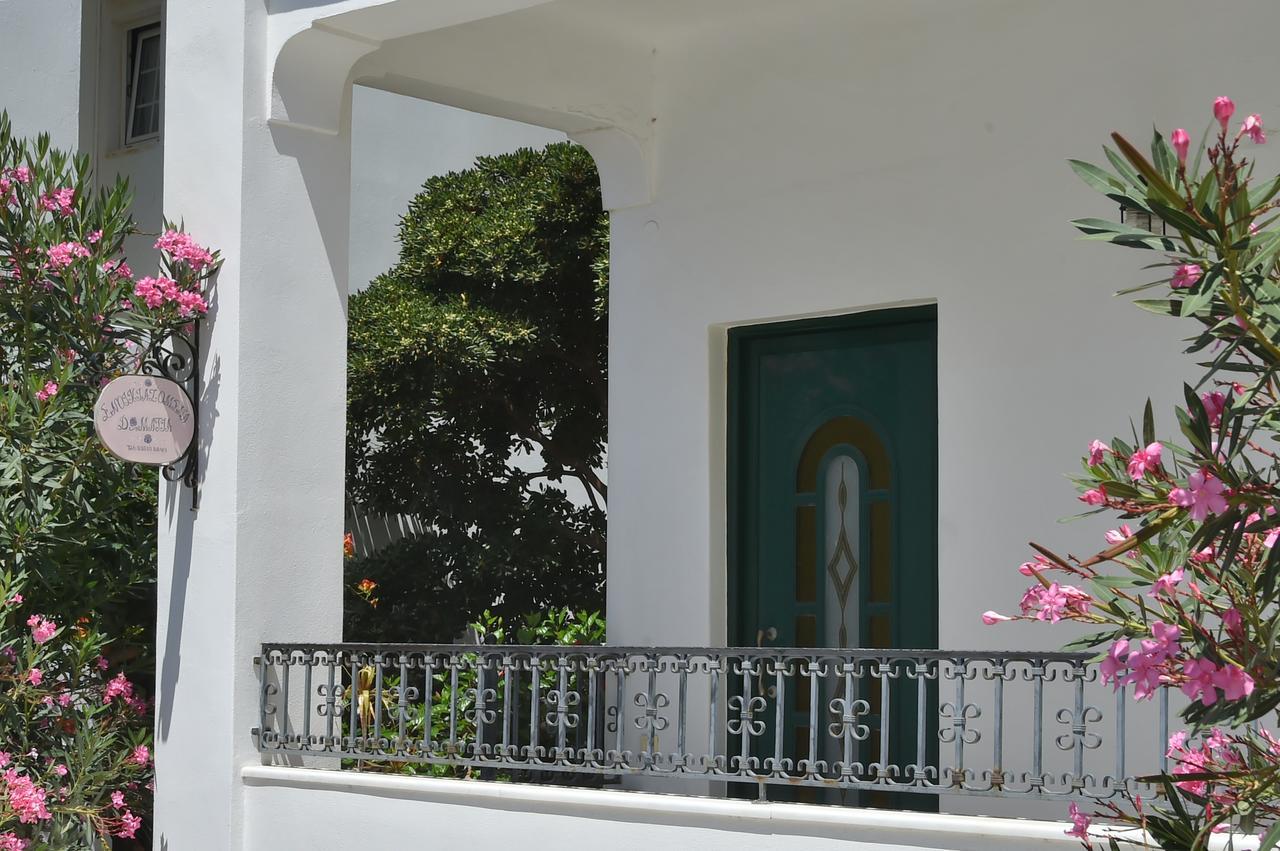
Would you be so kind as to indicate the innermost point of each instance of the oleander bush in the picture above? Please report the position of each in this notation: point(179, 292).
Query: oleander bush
point(1187, 592)
point(77, 527)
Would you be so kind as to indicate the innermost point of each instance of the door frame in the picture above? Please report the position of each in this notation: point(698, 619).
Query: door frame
point(739, 385)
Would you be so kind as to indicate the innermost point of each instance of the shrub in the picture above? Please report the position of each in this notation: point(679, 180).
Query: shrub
point(1187, 594)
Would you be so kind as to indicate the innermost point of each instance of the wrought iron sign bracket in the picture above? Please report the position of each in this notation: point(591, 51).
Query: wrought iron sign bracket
point(176, 356)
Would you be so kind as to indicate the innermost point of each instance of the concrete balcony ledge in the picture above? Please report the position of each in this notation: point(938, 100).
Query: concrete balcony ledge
point(290, 808)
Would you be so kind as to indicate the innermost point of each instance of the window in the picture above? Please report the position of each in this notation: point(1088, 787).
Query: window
point(142, 84)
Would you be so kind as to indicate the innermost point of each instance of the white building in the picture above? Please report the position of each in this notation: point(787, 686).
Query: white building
point(892, 171)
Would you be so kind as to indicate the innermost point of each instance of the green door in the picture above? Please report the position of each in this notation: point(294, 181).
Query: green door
point(833, 500)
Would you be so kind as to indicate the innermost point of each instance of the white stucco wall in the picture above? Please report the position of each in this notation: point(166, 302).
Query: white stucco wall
point(864, 155)
point(42, 76)
point(288, 809)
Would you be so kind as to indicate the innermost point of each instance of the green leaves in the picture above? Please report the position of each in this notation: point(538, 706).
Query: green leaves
point(486, 343)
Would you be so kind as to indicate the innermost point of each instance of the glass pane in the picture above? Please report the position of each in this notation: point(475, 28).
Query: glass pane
point(144, 80)
point(842, 511)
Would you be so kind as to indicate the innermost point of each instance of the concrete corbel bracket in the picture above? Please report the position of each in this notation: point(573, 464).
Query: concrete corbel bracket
point(311, 77)
point(625, 166)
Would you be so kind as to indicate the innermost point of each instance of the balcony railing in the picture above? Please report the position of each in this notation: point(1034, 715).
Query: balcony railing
point(879, 721)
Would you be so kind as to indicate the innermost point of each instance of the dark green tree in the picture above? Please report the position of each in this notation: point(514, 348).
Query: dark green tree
point(477, 377)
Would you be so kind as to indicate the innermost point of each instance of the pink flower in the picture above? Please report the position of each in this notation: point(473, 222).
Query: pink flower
point(1181, 142)
point(141, 755)
point(60, 770)
point(1231, 620)
point(119, 686)
point(1097, 449)
point(1094, 496)
point(1252, 128)
point(1114, 665)
point(64, 254)
point(22, 174)
point(101, 663)
point(1214, 404)
point(1203, 495)
point(1223, 108)
point(1079, 823)
point(1054, 602)
point(1118, 536)
point(26, 799)
point(1185, 276)
point(4, 758)
point(95, 237)
point(1144, 461)
point(156, 291)
point(190, 302)
point(48, 392)
point(129, 824)
point(59, 201)
point(991, 618)
point(15, 600)
point(117, 268)
point(1200, 680)
point(42, 629)
point(1167, 638)
point(180, 246)
point(1033, 568)
point(117, 799)
point(10, 841)
point(1234, 682)
point(35, 676)
point(1204, 556)
point(1167, 584)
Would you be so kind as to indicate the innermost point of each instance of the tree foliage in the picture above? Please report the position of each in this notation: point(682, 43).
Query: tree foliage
point(477, 374)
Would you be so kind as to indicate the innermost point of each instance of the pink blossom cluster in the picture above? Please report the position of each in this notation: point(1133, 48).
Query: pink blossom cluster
point(1215, 755)
point(1080, 822)
point(129, 824)
point(180, 246)
point(1142, 664)
point(118, 686)
point(117, 268)
point(47, 392)
point(1205, 678)
point(1144, 461)
point(59, 201)
point(42, 629)
point(64, 254)
point(27, 799)
point(141, 755)
point(10, 841)
point(1054, 601)
point(156, 292)
point(10, 176)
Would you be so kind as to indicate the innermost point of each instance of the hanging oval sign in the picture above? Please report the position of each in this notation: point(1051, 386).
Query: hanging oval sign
point(145, 419)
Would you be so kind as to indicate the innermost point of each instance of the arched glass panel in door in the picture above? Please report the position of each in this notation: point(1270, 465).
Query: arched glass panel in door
point(843, 537)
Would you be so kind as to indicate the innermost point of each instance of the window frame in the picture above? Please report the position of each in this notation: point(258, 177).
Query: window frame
point(135, 37)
